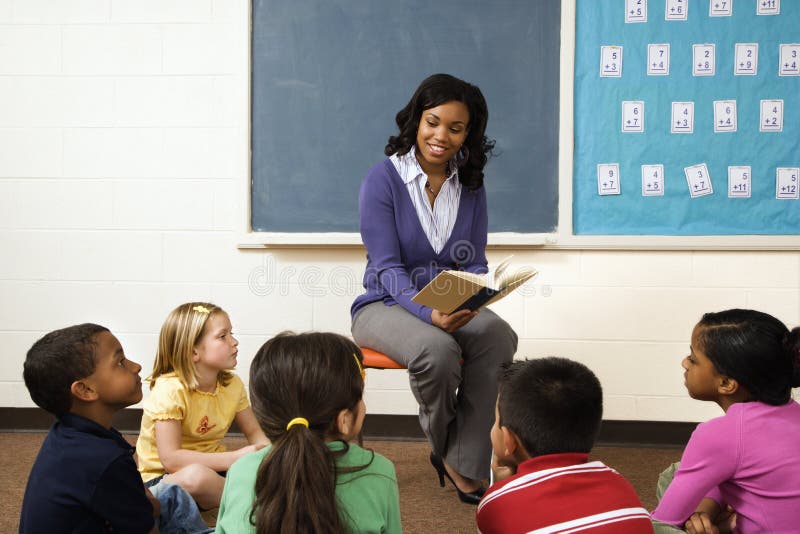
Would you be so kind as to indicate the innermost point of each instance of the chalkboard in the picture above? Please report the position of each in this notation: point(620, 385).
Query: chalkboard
point(328, 77)
point(723, 174)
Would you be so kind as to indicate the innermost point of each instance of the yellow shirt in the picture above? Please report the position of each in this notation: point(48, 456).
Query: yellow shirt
point(205, 418)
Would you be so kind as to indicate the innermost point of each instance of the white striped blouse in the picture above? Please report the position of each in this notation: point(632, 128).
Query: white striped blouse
point(438, 220)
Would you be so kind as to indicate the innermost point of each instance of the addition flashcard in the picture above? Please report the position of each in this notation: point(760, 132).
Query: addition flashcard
point(704, 61)
point(720, 8)
point(790, 60)
point(786, 185)
point(635, 10)
point(725, 115)
point(632, 116)
point(676, 10)
point(746, 59)
point(699, 180)
point(652, 180)
point(739, 182)
point(772, 115)
point(658, 59)
point(769, 7)
point(682, 117)
point(608, 179)
point(610, 61)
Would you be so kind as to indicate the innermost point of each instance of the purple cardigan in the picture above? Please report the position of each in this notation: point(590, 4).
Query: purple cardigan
point(400, 260)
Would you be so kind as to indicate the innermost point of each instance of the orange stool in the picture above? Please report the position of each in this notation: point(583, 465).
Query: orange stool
point(376, 360)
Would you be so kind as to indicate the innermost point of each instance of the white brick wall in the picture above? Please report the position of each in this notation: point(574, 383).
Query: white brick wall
point(123, 162)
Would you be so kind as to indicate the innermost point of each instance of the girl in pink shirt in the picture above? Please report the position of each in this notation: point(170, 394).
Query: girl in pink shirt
point(740, 472)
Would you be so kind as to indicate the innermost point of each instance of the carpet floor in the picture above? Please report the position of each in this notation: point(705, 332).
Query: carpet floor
point(424, 506)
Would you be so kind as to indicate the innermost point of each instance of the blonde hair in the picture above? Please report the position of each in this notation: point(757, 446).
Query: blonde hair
point(180, 334)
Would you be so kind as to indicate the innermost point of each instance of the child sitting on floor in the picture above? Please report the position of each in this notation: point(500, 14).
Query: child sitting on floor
point(741, 470)
point(194, 399)
point(547, 418)
point(84, 478)
point(307, 394)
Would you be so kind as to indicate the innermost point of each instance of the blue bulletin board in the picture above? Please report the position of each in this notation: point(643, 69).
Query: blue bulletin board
point(717, 126)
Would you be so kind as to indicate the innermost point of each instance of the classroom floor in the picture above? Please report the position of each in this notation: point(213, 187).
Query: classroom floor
point(425, 508)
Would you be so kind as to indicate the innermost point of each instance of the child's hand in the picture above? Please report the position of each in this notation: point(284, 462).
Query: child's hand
point(700, 523)
point(155, 502)
point(248, 449)
point(502, 469)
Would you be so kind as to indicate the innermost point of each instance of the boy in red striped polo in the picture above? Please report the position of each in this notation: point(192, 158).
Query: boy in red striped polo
point(547, 418)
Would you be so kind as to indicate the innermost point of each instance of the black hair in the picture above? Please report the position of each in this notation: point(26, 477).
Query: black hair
point(313, 376)
point(57, 360)
point(434, 91)
point(754, 348)
point(553, 405)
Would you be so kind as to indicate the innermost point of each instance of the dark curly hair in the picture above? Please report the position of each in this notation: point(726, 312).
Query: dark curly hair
point(56, 361)
point(432, 92)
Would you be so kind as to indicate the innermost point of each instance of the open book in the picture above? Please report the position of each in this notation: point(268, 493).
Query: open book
point(451, 291)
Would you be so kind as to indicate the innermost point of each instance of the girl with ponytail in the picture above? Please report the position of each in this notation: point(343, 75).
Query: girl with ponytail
point(306, 391)
point(739, 472)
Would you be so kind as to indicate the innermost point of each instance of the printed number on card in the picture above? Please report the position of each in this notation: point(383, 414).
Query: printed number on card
point(725, 115)
point(635, 11)
point(769, 7)
point(633, 116)
point(610, 61)
point(746, 57)
point(676, 10)
point(790, 60)
point(608, 179)
point(703, 56)
point(787, 185)
point(652, 180)
point(771, 116)
point(720, 8)
point(682, 117)
point(739, 179)
point(699, 180)
point(658, 59)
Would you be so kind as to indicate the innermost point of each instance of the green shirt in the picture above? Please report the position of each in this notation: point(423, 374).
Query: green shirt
point(368, 498)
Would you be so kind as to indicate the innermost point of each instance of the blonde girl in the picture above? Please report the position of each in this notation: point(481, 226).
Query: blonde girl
point(194, 399)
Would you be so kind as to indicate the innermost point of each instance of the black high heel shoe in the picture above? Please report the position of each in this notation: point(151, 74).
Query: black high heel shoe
point(473, 497)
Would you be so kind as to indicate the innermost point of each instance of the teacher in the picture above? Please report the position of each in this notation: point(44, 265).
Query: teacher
point(422, 210)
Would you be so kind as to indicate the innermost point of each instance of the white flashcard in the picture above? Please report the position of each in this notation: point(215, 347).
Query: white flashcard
point(632, 116)
point(739, 179)
point(682, 117)
point(608, 179)
point(676, 10)
point(725, 115)
point(790, 60)
point(769, 7)
point(704, 59)
point(786, 185)
point(720, 8)
point(658, 59)
point(699, 180)
point(772, 115)
point(610, 61)
point(652, 180)
point(635, 11)
point(746, 58)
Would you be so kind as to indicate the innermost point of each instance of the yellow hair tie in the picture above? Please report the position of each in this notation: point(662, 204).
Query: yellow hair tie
point(201, 309)
point(297, 421)
point(360, 368)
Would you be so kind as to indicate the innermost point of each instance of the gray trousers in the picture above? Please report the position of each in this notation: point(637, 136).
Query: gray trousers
point(456, 402)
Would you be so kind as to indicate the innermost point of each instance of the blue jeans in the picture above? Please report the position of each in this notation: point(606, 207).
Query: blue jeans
point(179, 512)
